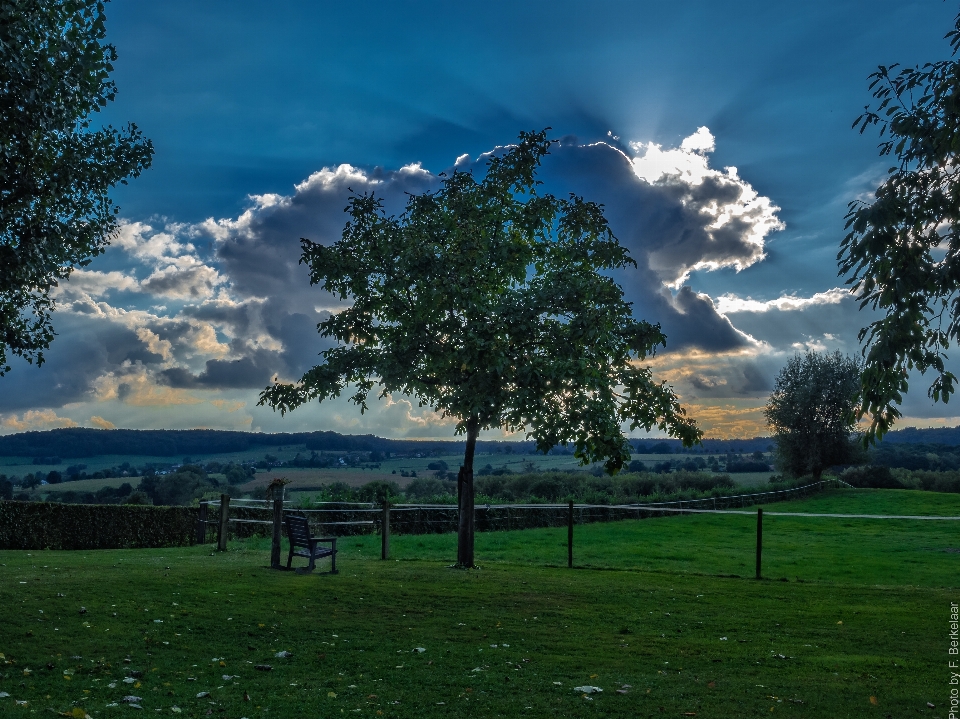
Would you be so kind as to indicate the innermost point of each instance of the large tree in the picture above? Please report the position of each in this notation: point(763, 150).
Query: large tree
point(55, 170)
point(813, 413)
point(490, 302)
point(902, 253)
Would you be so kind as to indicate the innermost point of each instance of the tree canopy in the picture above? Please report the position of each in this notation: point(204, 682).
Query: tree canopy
point(813, 413)
point(902, 252)
point(489, 301)
point(55, 170)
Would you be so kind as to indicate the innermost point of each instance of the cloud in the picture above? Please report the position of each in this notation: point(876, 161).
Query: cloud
point(91, 283)
point(244, 373)
point(101, 423)
point(730, 420)
point(35, 420)
point(138, 387)
point(238, 308)
point(192, 282)
point(731, 303)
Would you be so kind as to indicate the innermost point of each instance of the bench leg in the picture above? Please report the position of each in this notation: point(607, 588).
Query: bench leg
point(333, 563)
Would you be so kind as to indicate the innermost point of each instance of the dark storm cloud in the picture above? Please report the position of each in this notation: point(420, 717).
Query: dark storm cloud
point(664, 225)
point(263, 322)
point(244, 373)
point(86, 347)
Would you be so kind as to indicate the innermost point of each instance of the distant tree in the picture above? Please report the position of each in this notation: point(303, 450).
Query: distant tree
point(6, 487)
point(813, 413)
point(491, 303)
point(55, 171)
point(902, 253)
point(54, 477)
point(178, 488)
point(378, 491)
point(636, 466)
point(236, 474)
point(426, 487)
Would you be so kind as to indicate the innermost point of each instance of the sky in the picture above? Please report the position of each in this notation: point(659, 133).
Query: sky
point(717, 135)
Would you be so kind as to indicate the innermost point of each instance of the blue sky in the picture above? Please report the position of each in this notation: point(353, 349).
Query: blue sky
point(261, 119)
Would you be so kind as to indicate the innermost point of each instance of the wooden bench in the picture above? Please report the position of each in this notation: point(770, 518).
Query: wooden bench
point(304, 544)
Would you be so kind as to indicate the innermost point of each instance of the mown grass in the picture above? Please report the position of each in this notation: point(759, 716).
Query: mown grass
point(848, 551)
point(682, 641)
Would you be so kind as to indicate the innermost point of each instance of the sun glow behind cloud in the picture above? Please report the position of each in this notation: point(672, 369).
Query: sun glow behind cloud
point(184, 324)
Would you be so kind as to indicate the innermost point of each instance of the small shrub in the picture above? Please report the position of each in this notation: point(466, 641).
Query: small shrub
point(871, 476)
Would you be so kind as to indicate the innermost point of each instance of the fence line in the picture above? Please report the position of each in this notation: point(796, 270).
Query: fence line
point(248, 516)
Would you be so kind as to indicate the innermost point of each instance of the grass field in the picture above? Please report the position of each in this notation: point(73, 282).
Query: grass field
point(825, 550)
point(864, 635)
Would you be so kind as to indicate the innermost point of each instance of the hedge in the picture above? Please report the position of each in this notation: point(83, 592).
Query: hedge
point(51, 525)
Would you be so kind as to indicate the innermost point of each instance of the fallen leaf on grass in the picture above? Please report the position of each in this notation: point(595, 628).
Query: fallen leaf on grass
point(873, 700)
point(130, 699)
point(201, 695)
point(711, 684)
point(587, 689)
point(281, 655)
point(76, 713)
point(246, 697)
point(332, 695)
point(3, 695)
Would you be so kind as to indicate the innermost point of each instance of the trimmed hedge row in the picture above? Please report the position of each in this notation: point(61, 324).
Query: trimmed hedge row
point(50, 525)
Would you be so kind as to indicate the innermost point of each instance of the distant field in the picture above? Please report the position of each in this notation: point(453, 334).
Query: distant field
point(751, 479)
point(311, 478)
point(515, 462)
point(87, 485)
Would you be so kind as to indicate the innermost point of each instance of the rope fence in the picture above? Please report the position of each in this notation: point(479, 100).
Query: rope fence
point(246, 517)
point(254, 517)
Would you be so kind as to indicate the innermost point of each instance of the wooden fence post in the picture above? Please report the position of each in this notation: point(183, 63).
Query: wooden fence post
point(385, 531)
point(201, 529)
point(224, 518)
point(277, 524)
point(759, 537)
point(570, 535)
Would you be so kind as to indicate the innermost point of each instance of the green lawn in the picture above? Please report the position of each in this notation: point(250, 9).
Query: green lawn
point(511, 639)
point(845, 551)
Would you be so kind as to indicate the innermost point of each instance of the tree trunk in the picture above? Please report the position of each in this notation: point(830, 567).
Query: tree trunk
point(465, 498)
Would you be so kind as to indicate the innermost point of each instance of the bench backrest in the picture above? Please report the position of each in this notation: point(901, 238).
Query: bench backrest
point(298, 529)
